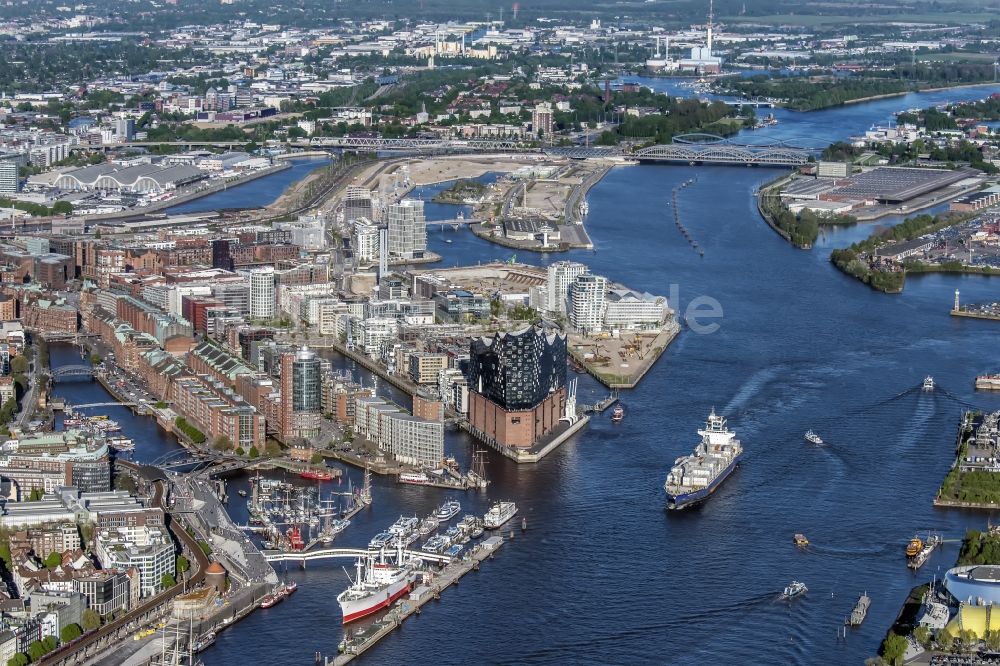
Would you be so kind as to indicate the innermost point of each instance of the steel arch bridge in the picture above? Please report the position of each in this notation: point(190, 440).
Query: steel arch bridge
point(699, 148)
point(72, 371)
point(378, 143)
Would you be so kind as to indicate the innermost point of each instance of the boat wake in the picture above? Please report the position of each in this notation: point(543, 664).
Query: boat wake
point(882, 403)
point(954, 398)
point(861, 551)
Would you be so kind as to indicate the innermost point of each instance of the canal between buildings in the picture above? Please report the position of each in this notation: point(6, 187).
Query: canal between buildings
point(604, 574)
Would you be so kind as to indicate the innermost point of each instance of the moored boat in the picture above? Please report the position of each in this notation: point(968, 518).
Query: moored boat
point(379, 583)
point(315, 474)
point(915, 547)
point(988, 382)
point(617, 414)
point(448, 510)
point(417, 479)
point(427, 526)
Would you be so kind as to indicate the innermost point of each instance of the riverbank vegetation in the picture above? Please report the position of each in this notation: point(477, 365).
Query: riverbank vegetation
point(800, 230)
point(979, 548)
point(861, 260)
point(461, 191)
point(821, 89)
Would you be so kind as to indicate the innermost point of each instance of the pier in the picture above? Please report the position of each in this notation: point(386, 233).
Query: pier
point(365, 640)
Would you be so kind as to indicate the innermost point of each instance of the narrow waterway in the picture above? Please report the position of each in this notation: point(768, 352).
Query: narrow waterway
point(254, 194)
point(604, 574)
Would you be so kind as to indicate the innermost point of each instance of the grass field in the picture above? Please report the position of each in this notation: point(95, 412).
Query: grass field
point(811, 20)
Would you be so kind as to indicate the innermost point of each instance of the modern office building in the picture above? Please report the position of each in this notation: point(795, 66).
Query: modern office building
point(301, 394)
point(517, 386)
point(407, 229)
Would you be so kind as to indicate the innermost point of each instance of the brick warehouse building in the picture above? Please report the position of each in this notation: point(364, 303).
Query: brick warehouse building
point(517, 385)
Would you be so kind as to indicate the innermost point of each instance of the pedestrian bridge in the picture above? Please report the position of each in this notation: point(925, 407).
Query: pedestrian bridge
point(343, 553)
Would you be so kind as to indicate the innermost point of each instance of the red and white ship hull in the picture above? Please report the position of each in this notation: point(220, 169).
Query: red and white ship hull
point(355, 609)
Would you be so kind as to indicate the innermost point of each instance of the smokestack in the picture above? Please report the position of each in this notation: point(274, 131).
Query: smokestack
point(711, 11)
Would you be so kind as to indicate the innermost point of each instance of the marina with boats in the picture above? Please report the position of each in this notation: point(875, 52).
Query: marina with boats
point(295, 518)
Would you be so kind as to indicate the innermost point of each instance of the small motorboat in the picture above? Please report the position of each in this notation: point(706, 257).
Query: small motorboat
point(617, 414)
point(928, 384)
point(800, 540)
point(813, 438)
point(794, 589)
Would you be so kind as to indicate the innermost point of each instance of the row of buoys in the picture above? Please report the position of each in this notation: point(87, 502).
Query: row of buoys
point(677, 217)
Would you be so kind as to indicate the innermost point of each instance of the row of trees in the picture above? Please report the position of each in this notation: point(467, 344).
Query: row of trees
point(39, 210)
point(808, 93)
point(196, 436)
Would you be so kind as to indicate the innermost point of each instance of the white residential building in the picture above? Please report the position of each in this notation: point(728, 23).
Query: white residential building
point(152, 555)
point(407, 229)
point(627, 309)
point(365, 241)
point(262, 293)
point(561, 275)
point(587, 297)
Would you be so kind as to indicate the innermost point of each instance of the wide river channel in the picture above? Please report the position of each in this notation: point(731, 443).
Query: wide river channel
point(604, 574)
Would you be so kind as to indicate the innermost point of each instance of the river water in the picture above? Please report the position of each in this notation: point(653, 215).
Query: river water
point(604, 574)
point(254, 194)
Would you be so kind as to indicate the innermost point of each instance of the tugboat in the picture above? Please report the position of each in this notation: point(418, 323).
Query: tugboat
point(928, 384)
point(617, 414)
point(915, 547)
point(794, 589)
point(813, 438)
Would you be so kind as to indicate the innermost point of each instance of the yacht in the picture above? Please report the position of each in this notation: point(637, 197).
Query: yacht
point(794, 589)
point(928, 384)
point(813, 438)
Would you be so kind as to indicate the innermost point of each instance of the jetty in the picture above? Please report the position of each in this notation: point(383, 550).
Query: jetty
point(358, 643)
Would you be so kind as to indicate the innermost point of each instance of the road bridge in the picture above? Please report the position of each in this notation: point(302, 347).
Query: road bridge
point(106, 404)
point(456, 222)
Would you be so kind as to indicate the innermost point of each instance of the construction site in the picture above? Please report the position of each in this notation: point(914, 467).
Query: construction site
point(620, 361)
